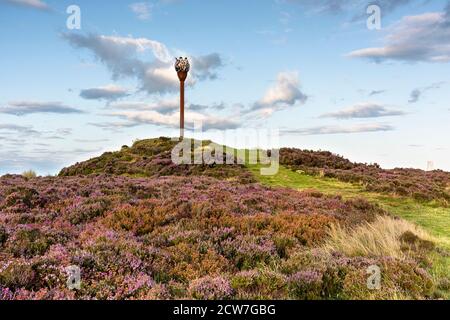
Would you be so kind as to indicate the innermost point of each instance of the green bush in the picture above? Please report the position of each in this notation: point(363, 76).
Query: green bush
point(18, 276)
point(29, 243)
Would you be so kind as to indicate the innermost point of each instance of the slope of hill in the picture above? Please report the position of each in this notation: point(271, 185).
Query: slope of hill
point(419, 184)
point(152, 158)
point(142, 228)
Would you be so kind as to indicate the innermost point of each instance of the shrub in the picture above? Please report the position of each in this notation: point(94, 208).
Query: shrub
point(208, 288)
point(21, 199)
point(259, 284)
point(306, 285)
point(152, 158)
point(3, 236)
point(28, 243)
point(18, 275)
point(418, 184)
point(399, 280)
point(139, 220)
point(248, 252)
point(84, 211)
point(174, 237)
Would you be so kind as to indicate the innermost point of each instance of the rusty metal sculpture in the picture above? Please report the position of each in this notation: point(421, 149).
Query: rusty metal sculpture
point(182, 68)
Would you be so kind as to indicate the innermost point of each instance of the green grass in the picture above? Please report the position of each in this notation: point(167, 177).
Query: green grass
point(430, 216)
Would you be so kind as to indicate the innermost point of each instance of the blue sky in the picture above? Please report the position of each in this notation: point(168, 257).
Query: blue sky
point(311, 69)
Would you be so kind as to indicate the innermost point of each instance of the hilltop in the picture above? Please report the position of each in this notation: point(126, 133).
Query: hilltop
point(152, 158)
point(140, 227)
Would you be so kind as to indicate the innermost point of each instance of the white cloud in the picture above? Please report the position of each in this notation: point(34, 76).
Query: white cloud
point(343, 6)
point(20, 108)
point(416, 94)
point(7, 129)
point(162, 106)
point(173, 120)
point(109, 92)
point(323, 130)
point(123, 57)
point(35, 4)
point(363, 110)
point(142, 10)
point(424, 37)
point(284, 93)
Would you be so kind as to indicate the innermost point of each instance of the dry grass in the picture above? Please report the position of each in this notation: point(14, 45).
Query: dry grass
point(379, 238)
point(30, 174)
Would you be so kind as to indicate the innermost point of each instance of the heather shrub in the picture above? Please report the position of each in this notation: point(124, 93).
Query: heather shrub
point(179, 237)
point(248, 252)
point(3, 236)
point(185, 262)
point(444, 284)
point(208, 288)
point(6, 294)
point(85, 210)
point(283, 245)
point(418, 184)
point(139, 220)
point(399, 280)
point(28, 243)
point(304, 229)
point(152, 158)
point(329, 268)
point(306, 285)
point(16, 275)
point(20, 199)
point(260, 285)
point(157, 292)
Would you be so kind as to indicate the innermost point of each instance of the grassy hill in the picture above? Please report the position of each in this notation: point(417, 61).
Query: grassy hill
point(140, 227)
point(152, 158)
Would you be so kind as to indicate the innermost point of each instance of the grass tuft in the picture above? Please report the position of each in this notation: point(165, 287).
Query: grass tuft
point(386, 236)
point(30, 174)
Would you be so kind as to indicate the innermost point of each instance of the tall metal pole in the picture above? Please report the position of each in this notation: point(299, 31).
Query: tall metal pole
point(182, 68)
point(182, 109)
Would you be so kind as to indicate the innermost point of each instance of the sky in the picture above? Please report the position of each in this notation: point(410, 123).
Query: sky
point(316, 71)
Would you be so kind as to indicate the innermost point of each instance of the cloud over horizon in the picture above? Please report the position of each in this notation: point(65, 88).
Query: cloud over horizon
point(21, 108)
point(172, 120)
point(324, 130)
point(109, 92)
point(363, 110)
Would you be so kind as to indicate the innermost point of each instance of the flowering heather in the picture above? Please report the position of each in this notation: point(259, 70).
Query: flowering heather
point(139, 227)
point(175, 238)
point(419, 184)
point(208, 288)
point(152, 158)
